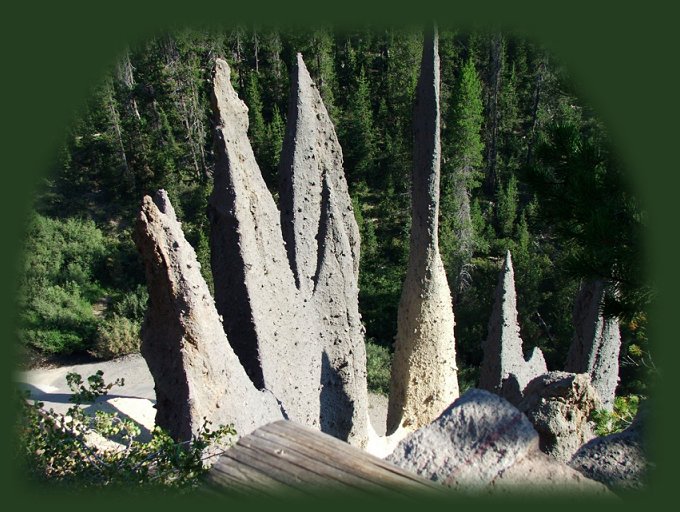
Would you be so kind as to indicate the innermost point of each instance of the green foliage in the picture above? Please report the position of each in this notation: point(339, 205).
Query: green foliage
point(63, 259)
point(96, 386)
point(617, 420)
point(116, 336)
point(58, 449)
point(378, 367)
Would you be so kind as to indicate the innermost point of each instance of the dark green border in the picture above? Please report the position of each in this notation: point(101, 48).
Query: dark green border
point(622, 60)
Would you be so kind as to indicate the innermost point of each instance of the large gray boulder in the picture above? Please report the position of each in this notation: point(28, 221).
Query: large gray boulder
point(504, 370)
point(596, 343)
point(619, 460)
point(197, 376)
point(475, 439)
point(559, 405)
point(424, 379)
point(322, 241)
point(481, 443)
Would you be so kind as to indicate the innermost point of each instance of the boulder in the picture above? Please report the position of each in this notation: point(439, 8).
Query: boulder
point(424, 380)
point(483, 444)
point(559, 405)
point(619, 460)
point(475, 439)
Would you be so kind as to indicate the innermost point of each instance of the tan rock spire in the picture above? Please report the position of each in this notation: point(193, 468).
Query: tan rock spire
point(424, 380)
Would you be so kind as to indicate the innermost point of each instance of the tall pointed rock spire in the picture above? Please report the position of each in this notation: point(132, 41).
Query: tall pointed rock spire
point(196, 373)
point(596, 344)
point(322, 242)
point(504, 370)
point(424, 380)
point(272, 331)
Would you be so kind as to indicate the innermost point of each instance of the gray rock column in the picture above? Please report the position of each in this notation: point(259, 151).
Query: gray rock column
point(424, 380)
point(596, 344)
point(322, 242)
point(504, 370)
point(196, 373)
point(270, 327)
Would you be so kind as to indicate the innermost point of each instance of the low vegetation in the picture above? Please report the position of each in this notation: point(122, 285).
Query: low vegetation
point(105, 450)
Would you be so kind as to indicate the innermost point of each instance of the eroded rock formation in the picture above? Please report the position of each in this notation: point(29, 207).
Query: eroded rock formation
point(322, 240)
point(424, 380)
point(504, 370)
point(559, 405)
point(290, 307)
point(269, 327)
point(596, 344)
point(196, 373)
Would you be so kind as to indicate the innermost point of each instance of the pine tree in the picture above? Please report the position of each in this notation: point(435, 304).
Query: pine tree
point(357, 134)
point(461, 175)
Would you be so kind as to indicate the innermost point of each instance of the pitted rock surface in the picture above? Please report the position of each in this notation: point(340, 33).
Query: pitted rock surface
point(476, 438)
point(424, 380)
point(620, 460)
point(286, 284)
point(558, 405)
point(596, 344)
point(311, 154)
point(271, 329)
point(540, 473)
point(504, 370)
point(196, 373)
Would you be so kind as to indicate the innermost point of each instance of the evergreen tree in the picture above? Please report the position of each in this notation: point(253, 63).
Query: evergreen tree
point(461, 175)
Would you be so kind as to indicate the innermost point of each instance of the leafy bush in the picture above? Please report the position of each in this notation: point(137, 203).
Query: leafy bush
point(57, 319)
point(116, 336)
point(55, 447)
point(63, 260)
point(378, 368)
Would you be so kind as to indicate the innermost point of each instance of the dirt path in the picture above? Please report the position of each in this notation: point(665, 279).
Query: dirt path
point(136, 398)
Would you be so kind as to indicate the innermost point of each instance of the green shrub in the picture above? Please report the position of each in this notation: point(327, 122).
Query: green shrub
point(57, 319)
point(610, 422)
point(116, 336)
point(63, 260)
point(378, 368)
point(53, 448)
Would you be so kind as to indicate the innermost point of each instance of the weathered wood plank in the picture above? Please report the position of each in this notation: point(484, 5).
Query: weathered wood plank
point(340, 454)
point(329, 474)
point(285, 455)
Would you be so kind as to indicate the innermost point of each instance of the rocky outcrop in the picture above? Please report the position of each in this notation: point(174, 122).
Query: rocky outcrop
point(482, 443)
point(424, 380)
point(196, 373)
point(619, 460)
point(322, 240)
point(504, 370)
point(286, 283)
point(596, 344)
point(540, 473)
point(558, 405)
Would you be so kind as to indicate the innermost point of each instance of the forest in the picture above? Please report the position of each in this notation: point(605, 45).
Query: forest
point(526, 167)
